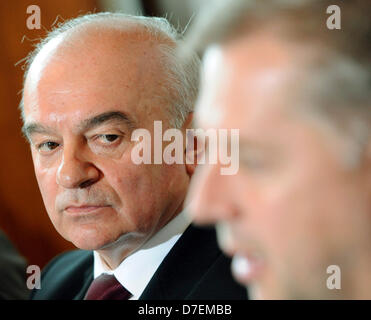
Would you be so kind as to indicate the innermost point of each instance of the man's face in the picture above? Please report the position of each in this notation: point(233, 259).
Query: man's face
point(81, 106)
point(292, 209)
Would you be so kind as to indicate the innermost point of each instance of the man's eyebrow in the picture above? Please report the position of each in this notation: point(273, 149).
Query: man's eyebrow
point(105, 117)
point(249, 145)
point(30, 128)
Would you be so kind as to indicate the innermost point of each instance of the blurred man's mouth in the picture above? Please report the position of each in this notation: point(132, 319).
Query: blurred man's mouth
point(247, 268)
point(248, 262)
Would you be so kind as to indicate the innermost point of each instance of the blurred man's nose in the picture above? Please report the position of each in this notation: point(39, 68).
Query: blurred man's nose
point(75, 169)
point(210, 195)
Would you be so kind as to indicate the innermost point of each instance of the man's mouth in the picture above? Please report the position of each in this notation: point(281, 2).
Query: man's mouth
point(86, 208)
point(247, 268)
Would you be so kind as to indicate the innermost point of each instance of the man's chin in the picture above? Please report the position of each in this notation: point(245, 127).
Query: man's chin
point(256, 291)
point(92, 240)
point(90, 244)
point(89, 239)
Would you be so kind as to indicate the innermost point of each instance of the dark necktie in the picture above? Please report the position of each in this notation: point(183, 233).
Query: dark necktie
point(106, 287)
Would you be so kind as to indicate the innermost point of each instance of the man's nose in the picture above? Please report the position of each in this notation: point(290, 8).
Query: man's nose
point(75, 171)
point(211, 195)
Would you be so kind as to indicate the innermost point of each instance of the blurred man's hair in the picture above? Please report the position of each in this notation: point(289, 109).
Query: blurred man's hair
point(337, 81)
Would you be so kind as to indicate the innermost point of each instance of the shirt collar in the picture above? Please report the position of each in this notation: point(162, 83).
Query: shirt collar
point(135, 272)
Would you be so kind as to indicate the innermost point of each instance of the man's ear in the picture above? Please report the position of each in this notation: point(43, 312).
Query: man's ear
point(368, 156)
point(366, 166)
point(369, 149)
point(193, 149)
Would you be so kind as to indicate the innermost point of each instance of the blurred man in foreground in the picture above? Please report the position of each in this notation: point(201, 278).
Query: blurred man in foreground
point(300, 94)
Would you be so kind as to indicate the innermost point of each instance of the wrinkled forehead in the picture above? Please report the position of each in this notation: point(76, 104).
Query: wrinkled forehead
point(97, 40)
point(93, 65)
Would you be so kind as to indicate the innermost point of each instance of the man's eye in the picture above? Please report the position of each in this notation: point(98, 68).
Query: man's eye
point(252, 162)
point(108, 138)
point(47, 146)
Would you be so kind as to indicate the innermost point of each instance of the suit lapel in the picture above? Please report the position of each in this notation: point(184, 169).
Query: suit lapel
point(87, 280)
point(184, 266)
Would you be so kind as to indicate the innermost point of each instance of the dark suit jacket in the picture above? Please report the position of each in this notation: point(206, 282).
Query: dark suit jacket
point(194, 269)
point(12, 272)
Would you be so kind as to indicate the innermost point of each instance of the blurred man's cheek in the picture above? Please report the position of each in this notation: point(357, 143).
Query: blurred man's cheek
point(225, 238)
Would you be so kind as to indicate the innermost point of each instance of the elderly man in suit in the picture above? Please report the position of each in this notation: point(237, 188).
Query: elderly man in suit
point(88, 86)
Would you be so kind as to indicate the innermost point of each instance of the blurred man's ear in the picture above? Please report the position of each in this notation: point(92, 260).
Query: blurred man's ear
point(368, 154)
point(192, 150)
point(367, 165)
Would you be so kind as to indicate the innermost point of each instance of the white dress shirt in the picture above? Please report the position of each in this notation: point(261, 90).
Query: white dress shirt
point(135, 272)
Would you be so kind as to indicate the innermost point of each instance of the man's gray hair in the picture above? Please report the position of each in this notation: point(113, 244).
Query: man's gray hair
point(336, 84)
point(181, 77)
